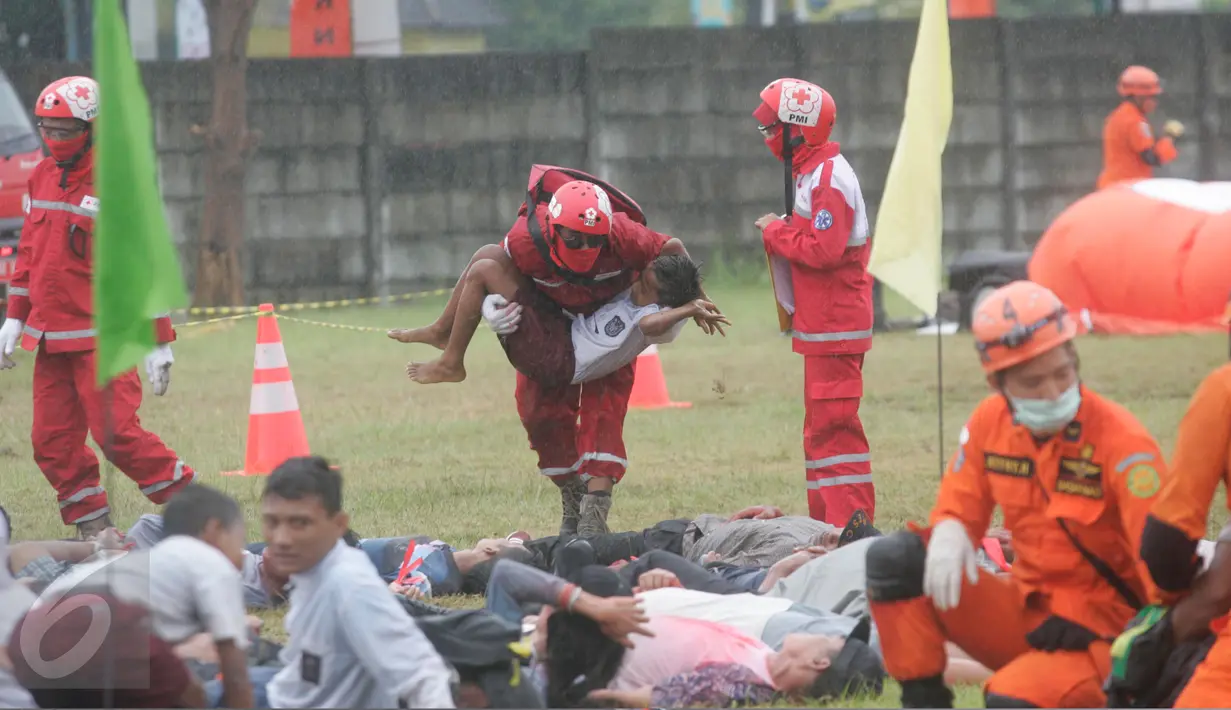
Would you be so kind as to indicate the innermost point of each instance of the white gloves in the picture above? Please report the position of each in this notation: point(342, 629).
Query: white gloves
point(158, 368)
point(10, 334)
point(1173, 128)
point(499, 315)
point(950, 555)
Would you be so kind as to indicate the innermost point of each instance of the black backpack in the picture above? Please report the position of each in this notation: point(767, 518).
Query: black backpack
point(485, 650)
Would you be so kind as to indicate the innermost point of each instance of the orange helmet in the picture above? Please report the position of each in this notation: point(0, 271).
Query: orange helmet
point(70, 97)
point(1018, 322)
point(798, 103)
point(585, 208)
point(1139, 81)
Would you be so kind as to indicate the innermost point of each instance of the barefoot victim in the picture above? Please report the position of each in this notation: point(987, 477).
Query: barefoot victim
point(428, 373)
point(428, 335)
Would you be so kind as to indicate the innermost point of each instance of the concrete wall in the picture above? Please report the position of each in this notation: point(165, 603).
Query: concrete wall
point(386, 174)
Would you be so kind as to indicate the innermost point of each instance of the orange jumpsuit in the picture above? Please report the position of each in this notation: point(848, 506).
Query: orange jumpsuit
point(1178, 520)
point(1100, 475)
point(1129, 149)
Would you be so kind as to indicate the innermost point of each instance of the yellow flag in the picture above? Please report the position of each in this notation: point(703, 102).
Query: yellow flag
point(906, 254)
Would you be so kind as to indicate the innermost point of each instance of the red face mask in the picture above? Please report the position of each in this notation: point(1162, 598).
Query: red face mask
point(770, 128)
point(65, 150)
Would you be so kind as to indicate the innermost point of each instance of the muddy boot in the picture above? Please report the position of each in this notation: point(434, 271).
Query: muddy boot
point(91, 528)
point(570, 506)
point(594, 509)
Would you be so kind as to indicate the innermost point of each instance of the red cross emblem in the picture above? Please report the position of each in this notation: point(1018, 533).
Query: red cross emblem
point(82, 91)
point(801, 98)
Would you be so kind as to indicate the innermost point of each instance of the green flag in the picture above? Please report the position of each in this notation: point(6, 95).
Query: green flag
point(136, 266)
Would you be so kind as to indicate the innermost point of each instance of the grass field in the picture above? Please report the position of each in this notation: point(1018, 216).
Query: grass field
point(452, 460)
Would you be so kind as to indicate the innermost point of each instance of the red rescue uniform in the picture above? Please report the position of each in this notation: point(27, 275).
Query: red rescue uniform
point(579, 428)
point(826, 240)
point(1098, 478)
point(51, 292)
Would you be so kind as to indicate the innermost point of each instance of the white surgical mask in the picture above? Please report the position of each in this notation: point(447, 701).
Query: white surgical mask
point(1047, 416)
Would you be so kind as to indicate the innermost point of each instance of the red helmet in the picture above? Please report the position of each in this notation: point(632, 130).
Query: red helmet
point(798, 103)
point(70, 97)
point(584, 208)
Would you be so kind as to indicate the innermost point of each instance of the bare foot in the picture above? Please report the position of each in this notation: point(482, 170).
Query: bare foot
point(428, 335)
point(428, 373)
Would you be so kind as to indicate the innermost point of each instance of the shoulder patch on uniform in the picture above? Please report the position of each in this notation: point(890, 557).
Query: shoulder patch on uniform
point(1139, 457)
point(822, 221)
point(614, 327)
point(1143, 481)
point(1016, 466)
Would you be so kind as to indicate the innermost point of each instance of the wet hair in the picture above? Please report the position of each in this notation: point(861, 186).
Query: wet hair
point(474, 581)
point(679, 280)
point(191, 509)
point(580, 657)
point(304, 476)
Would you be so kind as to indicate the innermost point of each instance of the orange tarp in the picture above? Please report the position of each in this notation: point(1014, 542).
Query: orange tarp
point(1146, 257)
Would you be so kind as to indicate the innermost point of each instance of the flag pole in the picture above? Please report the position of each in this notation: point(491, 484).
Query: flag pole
point(940, 391)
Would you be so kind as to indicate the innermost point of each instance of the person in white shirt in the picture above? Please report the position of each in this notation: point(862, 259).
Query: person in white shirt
point(351, 645)
point(190, 581)
point(14, 600)
point(553, 347)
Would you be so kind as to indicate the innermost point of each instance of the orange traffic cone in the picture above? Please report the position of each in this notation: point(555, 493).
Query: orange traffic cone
point(275, 426)
point(649, 384)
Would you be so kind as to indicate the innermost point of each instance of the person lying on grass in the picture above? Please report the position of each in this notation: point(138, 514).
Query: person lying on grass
point(552, 348)
point(686, 662)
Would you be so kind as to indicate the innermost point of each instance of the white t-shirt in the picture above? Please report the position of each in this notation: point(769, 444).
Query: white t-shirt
point(188, 585)
point(352, 645)
point(15, 599)
point(749, 613)
point(609, 338)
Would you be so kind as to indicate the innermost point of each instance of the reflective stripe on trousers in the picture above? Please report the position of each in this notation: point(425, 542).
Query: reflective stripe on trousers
point(591, 456)
point(832, 337)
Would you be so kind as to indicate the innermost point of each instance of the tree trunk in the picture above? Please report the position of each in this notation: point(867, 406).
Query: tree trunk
point(228, 144)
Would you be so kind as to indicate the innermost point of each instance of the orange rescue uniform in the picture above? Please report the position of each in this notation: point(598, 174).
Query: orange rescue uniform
point(1178, 520)
point(1099, 476)
point(1129, 149)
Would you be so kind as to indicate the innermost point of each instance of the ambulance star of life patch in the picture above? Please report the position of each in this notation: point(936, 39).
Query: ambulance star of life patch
point(823, 221)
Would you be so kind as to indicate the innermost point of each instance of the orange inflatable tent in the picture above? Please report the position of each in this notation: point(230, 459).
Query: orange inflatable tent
point(1145, 257)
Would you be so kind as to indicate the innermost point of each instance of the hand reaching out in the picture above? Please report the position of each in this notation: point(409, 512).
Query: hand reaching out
point(618, 617)
point(708, 317)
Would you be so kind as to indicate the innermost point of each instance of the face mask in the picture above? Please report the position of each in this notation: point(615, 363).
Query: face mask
point(65, 150)
point(1047, 416)
point(773, 141)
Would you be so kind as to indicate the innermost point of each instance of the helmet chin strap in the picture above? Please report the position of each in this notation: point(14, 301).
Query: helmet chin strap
point(66, 165)
point(788, 170)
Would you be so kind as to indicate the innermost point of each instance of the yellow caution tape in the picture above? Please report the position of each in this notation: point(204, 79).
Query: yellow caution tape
point(194, 323)
point(339, 326)
point(312, 305)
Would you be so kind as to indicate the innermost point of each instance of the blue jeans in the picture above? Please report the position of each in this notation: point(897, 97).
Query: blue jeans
point(258, 675)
